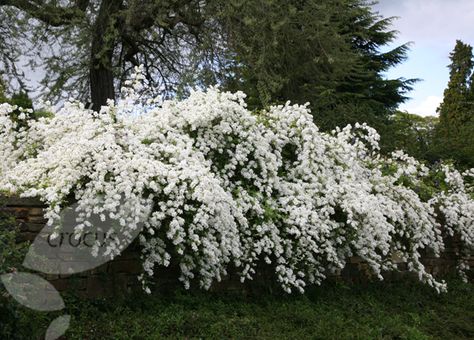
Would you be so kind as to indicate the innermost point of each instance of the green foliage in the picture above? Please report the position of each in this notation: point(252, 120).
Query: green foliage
point(449, 137)
point(25, 106)
point(402, 310)
point(455, 132)
point(13, 28)
point(98, 43)
point(281, 47)
point(3, 97)
point(412, 133)
point(434, 183)
point(458, 147)
point(457, 106)
point(318, 51)
point(12, 252)
point(22, 100)
point(326, 52)
point(11, 257)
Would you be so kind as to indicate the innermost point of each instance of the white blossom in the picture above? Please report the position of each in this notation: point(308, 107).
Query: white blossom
point(218, 185)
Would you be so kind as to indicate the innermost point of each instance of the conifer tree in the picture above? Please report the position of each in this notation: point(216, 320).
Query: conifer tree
point(456, 108)
point(324, 52)
point(455, 131)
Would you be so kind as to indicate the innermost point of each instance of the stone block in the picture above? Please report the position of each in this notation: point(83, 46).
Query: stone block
point(36, 212)
point(37, 219)
point(125, 266)
point(20, 212)
point(26, 236)
point(60, 284)
point(32, 227)
point(355, 259)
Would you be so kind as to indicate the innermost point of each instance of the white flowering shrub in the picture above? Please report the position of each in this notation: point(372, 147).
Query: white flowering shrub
point(217, 186)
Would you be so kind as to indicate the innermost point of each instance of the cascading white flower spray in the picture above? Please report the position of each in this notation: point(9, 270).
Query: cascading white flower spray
point(229, 186)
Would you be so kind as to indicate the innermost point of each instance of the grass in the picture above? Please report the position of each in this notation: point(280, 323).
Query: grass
point(405, 310)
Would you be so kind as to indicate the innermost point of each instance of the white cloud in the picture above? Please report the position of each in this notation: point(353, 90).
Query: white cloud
point(433, 26)
point(425, 107)
point(433, 22)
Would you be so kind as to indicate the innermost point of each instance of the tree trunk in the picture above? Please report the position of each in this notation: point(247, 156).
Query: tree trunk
point(101, 68)
point(101, 83)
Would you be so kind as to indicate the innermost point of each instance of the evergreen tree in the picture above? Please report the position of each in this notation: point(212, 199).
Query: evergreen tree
point(284, 50)
point(456, 108)
point(455, 131)
point(318, 51)
point(326, 52)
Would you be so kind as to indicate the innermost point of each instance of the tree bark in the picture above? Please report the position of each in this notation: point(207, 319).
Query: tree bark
point(102, 49)
point(101, 80)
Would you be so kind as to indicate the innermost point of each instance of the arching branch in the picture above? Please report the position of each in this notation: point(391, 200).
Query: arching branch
point(50, 14)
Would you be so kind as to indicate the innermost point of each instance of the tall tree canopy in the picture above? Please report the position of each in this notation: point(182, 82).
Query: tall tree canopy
point(412, 133)
point(12, 30)
point(327, 52)
point(458, 106)
point(455, 131)
point(94, 44)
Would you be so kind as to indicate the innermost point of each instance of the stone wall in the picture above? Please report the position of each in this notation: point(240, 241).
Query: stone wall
point(116, 277)
point(120, 275)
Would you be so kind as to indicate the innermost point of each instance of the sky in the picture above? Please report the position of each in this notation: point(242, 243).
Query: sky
point(433, 27)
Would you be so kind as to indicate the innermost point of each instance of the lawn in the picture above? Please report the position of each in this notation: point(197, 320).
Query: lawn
point(405, 310)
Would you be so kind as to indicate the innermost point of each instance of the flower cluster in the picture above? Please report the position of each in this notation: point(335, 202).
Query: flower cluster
point(218, 186)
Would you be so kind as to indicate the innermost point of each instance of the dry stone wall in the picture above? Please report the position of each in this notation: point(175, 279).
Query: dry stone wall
point(119, 276)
